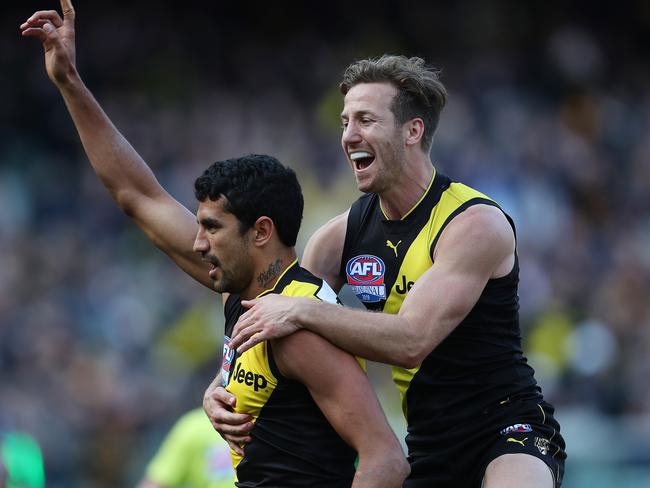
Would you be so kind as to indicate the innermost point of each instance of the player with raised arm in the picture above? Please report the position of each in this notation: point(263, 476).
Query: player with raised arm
point(310, 405)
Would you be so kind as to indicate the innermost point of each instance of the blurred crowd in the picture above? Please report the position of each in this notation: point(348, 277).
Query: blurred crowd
point(103, 343)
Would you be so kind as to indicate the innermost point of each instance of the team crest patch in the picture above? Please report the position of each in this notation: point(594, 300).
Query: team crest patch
point(516, 428)
point(542, 444)
point(365, 275)
point(226, 361)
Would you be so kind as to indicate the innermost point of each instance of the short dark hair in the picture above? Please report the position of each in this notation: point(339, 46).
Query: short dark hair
point(255, 185)
point(420, 93)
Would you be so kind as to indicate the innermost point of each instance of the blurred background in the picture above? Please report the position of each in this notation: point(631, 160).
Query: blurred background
point(104, 343)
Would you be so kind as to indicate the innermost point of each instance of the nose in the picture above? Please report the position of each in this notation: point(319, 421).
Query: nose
point(350, 135)
point(200, 242)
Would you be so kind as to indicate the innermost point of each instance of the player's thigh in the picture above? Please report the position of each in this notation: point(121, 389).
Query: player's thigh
point(518, 471)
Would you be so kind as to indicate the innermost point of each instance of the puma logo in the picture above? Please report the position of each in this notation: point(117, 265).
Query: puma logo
point(393, 246)
point(512, 439)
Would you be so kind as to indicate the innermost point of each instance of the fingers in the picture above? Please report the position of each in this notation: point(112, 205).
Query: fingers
point(42, 16)
point(248, 303)
point(235, 447)
point(46, 33)
point(240, 431)
point(220, 394)
point(240, 440)
point(233, 423)
point(218, 405)
point(239, 334)
point(68, 10)
point(38, 33)
point(252, 342)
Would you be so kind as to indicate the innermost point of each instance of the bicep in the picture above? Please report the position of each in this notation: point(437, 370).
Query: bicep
point(469, 253)
point(172, 228)
point(337, 384)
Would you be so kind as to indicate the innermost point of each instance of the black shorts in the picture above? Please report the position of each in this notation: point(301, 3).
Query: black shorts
point(459, 456)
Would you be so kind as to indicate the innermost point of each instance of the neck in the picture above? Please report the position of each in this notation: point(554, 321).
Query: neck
point(402, 196)
point(270, 267)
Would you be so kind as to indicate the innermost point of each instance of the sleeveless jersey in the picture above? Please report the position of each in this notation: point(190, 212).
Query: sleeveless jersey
point(481, 361)
point(293, 444)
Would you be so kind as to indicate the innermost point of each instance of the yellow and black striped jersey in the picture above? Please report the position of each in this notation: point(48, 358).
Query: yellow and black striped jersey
point(481, 361)
point(293, 444)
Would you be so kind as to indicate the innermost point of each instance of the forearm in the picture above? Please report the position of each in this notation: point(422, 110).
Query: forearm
point(379, 337)
point(381, 468)
point(120, 168)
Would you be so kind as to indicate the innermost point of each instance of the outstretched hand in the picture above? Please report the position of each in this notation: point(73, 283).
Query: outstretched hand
point(57, 37)
point(269, 317)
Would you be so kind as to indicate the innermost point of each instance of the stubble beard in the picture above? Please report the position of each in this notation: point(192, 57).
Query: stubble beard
point(392, 163)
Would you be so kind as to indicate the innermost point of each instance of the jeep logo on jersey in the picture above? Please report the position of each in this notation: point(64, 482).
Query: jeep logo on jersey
point(366, 278)
point(226, 362)
point(248, 378)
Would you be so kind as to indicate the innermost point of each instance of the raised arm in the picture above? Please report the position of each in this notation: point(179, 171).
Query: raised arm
point(476, 246)
point(342, 391)
point(167, 223)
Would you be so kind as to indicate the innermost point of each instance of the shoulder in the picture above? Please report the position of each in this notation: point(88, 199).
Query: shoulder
point(480, 230)
point(331, 233)
point(323, 252)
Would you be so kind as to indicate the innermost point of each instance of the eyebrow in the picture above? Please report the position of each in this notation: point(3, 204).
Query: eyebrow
point(358, 113)
point(207, 222)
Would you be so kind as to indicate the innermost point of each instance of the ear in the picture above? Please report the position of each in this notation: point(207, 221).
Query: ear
point(263, 230)
point(414, 131)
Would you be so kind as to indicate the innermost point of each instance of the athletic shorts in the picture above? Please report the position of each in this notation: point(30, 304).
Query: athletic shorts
point(459, 456)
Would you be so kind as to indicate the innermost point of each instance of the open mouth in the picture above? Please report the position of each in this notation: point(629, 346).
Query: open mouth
point(214, 265)
point(362, 159)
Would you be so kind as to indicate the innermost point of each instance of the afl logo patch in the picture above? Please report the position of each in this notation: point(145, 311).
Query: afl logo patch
point(226, 361)
point(365, 275)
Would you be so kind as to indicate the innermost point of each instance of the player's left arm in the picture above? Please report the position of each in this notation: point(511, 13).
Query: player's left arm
point(343, 393)
point(476, 246)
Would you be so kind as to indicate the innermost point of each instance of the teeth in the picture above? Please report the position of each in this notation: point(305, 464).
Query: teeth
point(356, 155)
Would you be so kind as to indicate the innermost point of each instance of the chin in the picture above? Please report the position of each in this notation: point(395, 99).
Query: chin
point(364, 184)
point(366, 187)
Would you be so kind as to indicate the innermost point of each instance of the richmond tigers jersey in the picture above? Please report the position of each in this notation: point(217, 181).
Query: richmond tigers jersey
point(293, 444)
point(481, 361)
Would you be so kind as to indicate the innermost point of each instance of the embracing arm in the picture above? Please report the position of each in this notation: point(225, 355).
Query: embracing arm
point(167, 223)
point(342, 391)
point(476, 246)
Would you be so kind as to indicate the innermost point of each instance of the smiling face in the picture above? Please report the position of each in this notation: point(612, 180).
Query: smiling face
point(221, 243)
point(372, 140)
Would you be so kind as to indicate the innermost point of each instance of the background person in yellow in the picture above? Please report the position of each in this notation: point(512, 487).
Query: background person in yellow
point(192, 455)
point(319, 409)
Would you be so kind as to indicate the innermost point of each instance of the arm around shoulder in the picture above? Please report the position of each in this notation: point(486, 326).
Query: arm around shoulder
point(476, 246)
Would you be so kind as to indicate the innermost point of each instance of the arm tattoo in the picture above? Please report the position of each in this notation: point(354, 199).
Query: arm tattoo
point(270, 274)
